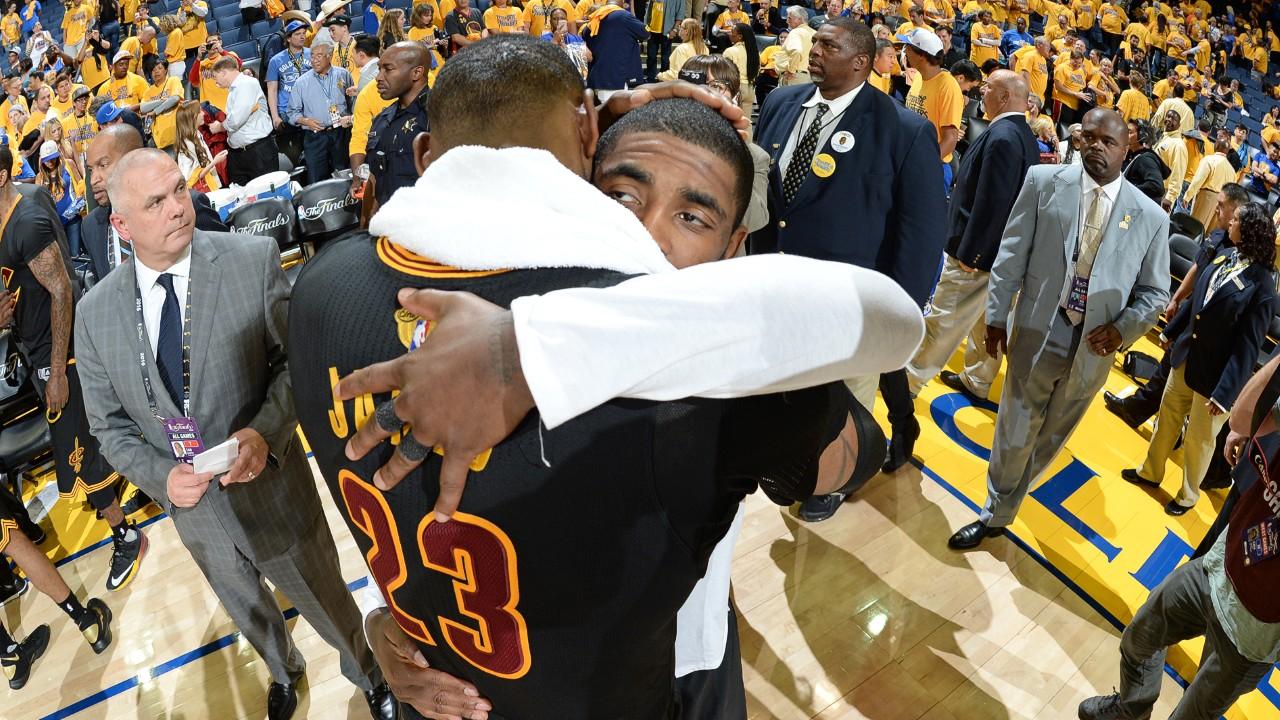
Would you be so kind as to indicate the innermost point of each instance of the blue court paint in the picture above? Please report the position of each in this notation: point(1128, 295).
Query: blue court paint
point(168, 666)
point(1053, 493)
point(1171, 551)
point(943, 410)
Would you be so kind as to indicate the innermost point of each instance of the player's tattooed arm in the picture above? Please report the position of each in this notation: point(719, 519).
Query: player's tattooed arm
point(51, 272)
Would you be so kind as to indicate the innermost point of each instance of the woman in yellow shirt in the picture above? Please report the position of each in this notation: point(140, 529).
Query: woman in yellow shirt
point(1158, 44)
point(692, 45)
point(158, 112)
point(747, 59)
point(1104, 86)
point(11, 28)
point(502, 18)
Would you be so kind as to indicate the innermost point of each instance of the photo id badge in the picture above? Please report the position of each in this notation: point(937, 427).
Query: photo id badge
point(1078, 295)
point(1262, 541)
point(184, 438)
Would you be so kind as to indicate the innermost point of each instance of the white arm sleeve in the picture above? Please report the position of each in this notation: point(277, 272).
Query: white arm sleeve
point(746, 326)
point(370, 601)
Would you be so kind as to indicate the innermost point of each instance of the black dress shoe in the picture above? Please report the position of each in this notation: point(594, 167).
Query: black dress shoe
point(1132, 476)
point(282, 701)
point(1116, 405)
point(1176, 510)
point(955, 382)
point(382, 704)
point(1216, 483)
point(901, 446)
point(971, 536)
point(871, 455)
point(17, 664)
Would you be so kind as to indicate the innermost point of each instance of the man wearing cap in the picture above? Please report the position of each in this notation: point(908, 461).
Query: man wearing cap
point(343, 46)
point(78, 125)
point(320, 106)
point(934, 93)
point(283, 71)
point(125, 89)
point(252, 147)
point(403, 79)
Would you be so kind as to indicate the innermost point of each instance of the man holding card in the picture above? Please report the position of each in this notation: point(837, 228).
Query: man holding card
point(182, 348)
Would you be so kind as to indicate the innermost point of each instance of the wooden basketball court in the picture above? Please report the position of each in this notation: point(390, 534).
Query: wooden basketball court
point(867, 615)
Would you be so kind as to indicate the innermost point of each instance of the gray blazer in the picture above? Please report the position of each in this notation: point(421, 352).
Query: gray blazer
point(1128, 288)
point(239, 378)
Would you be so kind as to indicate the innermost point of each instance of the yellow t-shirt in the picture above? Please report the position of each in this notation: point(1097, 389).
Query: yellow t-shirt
point(1067, 78)
point(195, 31)
point(1178, 44)
point(127, 91)
point(978, 53)
point(79, 130)
point(94, 74)
point(537, 13)
point(937, 10)
point(503, 20)
point(1142, 31)
point(174, 46)
point(1133, 105)
point(728, 19)
point(415, 34)
point(1084, 12)
point(883, 83)
point(940, 100)
point(128, 10)
point(1029, 60)
point(1260, 58)
point(1018, 9)
point(1113, 18)
point(162, 126)
point(1157, 40)
point(11, 28)
point(1273, 40)
point(137, 50)
point(209, 90)
point(75, 24)
point(1161, 90)
point(34, 121)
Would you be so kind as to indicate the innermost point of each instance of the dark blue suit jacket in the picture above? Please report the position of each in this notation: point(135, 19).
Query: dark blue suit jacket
point(882, 208)
point(1219, 340)
point(615, 52)
point(991, 175)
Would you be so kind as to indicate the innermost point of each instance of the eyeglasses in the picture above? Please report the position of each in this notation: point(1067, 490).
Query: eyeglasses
point(717, 85)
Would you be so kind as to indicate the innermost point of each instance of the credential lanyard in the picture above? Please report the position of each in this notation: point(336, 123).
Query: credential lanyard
point(186, 352)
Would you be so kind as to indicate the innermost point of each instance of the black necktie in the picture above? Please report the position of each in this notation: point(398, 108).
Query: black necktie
point(169, 343)
point(798, 168)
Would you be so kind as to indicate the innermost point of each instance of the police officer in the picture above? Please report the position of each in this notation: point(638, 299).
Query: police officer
point(402, 74)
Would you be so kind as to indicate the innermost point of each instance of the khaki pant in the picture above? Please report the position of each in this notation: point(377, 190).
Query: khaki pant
point(798, 78)
point(958, 308)
point(1180, 404)
point(1203, 206)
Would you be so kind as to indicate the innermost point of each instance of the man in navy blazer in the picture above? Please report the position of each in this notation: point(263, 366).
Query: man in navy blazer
point(991, 175)
point(854, 177)
point(613, 35)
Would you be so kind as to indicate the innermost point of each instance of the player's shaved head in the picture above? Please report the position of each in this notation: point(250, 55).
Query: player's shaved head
point(513, 91)
point(111, 144)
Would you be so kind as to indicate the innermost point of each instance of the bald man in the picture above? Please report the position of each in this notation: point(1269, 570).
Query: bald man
point(990, 176)
point(104, 151)
point(402, 75)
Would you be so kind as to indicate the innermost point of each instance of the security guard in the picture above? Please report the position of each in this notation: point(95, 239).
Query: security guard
point(402, 74)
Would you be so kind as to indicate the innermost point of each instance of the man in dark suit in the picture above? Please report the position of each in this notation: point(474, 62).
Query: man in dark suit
point(991, 174)
point(854, 177)
point(613, 36)
point(104, 150)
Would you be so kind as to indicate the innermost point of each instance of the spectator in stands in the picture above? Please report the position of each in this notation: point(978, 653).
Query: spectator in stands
point(792, 61)
point(1033, 62)
point(573, 45)
point(690, 32)
point(251, 11)
point(1264, 171)
point(1133, 103)
point(1213, 172)
point(1244, 152)
point(1173, 153)
point(78, 125)
point(1069, 82)
point(463, 24)
point(125, 89)
point(94, 61)
point(201, 74)
point(612, 34)
point(422, 29)
point(139, 46)
point(366, 51)
point(160, 102)
point(731, 15)
point(1015, 39)
point(984, 39)
point(882, 65)
point(950, 55)
point(319, 104)
point(1212, 349)
point(196, 163)
point(391, 30)
point(745, 54)
point(283, 71)
point(252, 149)
point(1143, 167)
point(830, 9)
point(935, 94)
point(64, 180)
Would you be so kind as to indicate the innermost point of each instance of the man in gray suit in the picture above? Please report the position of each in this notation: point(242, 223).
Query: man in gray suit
point(1086, 255)
point(184, 343)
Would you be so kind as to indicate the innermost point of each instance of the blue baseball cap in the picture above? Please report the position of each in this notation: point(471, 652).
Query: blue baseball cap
point(107, 113)
point(293, 27)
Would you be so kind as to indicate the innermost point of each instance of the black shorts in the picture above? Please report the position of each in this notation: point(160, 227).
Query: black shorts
point(77, 459)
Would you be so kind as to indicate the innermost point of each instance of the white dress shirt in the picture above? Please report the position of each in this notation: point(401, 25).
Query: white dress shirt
point(153, 293)
point(835, 109)
point(1108, 200)
point(248, 119)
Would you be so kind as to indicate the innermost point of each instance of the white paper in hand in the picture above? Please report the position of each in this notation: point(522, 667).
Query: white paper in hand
point(217, 460)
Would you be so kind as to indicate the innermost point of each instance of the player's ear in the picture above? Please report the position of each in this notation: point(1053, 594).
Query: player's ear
point(588, 125)
point(421, 152)
point(734, 248)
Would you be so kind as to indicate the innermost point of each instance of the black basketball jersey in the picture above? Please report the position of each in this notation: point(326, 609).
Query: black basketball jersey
point(555, 587)
point(34, 226)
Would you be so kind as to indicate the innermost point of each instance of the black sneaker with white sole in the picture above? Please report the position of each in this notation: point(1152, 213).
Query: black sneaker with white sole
point(126, 557)
point(13, 589)
point(17, 662)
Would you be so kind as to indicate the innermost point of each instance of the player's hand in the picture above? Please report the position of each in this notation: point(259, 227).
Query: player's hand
point(184, 487)
point(462, 390)
point(997, 341)
point(7, 303)
point(1234, 446)
point(56, 392)
point(251, 459)
point(1104, 339)
point(624, 101)
point(435, 694)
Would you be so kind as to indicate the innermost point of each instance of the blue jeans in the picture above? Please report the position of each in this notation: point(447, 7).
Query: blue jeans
point(73, 237)
point(111, 33)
